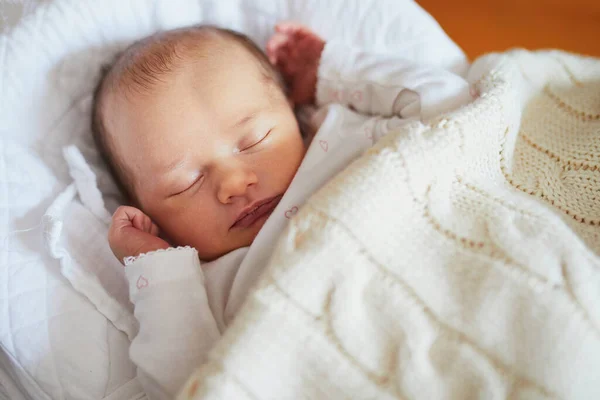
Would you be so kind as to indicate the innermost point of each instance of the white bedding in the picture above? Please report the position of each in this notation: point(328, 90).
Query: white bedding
point(64, 315)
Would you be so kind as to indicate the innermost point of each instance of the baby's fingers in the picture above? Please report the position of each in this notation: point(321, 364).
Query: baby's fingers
point(143, 223)
point(291, 28)
point(154, 230)
point(124, 216)
point(277, 47)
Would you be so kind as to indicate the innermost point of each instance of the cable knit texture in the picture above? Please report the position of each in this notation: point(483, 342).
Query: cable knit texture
point(454, 260)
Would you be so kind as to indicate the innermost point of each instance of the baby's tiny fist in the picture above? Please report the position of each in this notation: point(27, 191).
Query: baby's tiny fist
point(296, 51)
point(133, 233)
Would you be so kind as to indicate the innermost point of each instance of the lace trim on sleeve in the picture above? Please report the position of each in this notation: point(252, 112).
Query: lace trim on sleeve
point(131, 259)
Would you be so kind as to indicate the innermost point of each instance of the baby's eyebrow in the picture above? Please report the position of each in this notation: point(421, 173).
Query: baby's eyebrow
point(245, 120)
point(174, 165)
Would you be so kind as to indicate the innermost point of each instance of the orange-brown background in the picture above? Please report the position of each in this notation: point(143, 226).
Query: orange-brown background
point(481, 26)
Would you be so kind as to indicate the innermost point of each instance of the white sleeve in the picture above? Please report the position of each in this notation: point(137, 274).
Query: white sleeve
point(177, 328)
point(386, 84)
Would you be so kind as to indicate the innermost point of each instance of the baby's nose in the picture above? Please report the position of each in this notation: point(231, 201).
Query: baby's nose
point(235, 183)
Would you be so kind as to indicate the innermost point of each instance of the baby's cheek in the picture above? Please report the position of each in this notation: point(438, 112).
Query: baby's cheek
point(289, 157)
point(205, 233)
point(184, 223)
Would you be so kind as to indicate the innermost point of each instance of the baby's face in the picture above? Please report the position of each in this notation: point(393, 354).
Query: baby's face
point(206, 148)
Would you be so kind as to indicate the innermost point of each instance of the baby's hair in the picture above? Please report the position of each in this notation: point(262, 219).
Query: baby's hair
point(143, 65)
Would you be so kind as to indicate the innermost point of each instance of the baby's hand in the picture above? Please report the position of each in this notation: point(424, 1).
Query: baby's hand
point(133, 233)
point(296, 51)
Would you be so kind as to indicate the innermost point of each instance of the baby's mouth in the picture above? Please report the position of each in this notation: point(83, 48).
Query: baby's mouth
point(256, 211)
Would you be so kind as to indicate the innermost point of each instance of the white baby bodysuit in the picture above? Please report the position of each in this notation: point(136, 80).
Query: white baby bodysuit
point(183, 307)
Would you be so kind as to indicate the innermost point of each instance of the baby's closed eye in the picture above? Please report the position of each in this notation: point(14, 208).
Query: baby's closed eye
point(194, 184)
point(253, 140)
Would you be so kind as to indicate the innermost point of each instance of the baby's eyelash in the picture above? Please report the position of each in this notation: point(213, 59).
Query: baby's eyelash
point(257, 142)
point(201, 177)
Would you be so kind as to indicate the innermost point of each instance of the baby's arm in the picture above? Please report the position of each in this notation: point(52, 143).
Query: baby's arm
point(385, 84)
point(381, 84)
point(177, 327)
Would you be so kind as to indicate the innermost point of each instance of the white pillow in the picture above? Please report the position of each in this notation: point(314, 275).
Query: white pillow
point(65, 318)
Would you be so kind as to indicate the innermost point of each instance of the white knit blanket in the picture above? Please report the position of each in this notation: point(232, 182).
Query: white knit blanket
point(454, 260)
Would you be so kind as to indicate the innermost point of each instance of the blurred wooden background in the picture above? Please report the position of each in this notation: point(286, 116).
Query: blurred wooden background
point(481, 26)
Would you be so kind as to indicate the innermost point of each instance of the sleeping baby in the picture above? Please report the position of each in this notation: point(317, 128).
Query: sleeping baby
point(198, 128)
